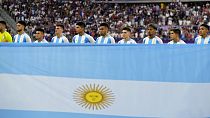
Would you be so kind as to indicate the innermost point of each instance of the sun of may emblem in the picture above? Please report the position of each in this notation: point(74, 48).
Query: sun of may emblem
point(93, 97)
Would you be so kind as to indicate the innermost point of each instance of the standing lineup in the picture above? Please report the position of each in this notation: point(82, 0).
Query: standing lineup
point(104, 37)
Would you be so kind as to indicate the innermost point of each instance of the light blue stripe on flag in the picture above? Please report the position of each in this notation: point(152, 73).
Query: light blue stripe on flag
point(187, 63)
point(42, 114)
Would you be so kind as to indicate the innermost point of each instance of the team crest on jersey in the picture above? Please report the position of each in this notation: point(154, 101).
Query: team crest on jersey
point(93, 96)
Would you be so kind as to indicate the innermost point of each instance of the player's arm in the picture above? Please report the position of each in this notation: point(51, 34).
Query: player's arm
point(134, 42)
point(196, 40)
point(73, 39)
point(66, 40)
point(91, 39)
point(160, 41)
point(9, 38)
point(28, 39)
point(112, 40)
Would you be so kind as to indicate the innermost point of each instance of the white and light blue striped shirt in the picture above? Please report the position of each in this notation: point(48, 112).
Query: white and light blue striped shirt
point(130, 41)
point(62, 39)
point(23, 38)
point(200, 40)
point(105, 40)
point(85, 38)
point(155, 40)
point(180, 42)
point(43, 41)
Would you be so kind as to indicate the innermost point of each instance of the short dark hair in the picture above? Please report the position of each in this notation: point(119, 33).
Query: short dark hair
point(176, 31)
point(206, 26)
point(127, 29)
point(22, 23)
point(60, 25)
point(3, 22)
point(105, 25)
point(81, 24)
point(154, 26)
point(40, 30)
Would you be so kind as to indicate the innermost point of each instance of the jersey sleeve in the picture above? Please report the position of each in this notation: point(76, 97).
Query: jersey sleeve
point(14, 39)
point(65, 40)
point(73, 39)
point(91, 39)
point(196, 40)
point(28, 39)
point(112, 40)
point(9, 38)
point(159, 40)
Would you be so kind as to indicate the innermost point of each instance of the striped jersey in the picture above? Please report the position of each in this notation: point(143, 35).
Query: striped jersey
point(155, 40)
point(61, 39)
point(200, 40)
point(180, 42)
point(23, 38)
point(85, 38)
point(105, 40)
point(43, 41)
point(130, 41)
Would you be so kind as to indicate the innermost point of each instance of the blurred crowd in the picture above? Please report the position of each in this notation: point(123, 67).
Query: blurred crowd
point(46, 13)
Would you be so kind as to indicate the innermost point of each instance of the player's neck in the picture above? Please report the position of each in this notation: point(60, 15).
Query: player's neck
point(21, 32)
point(82, 33)
point(204, 36)
point(105, 35)
point(176, 40)
point(151, 37)
point(59, 35)
point(126, 39)
point(2, 31)
point(40, 40)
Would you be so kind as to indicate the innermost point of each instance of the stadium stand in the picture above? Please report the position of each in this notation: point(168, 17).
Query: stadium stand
point(187, 16)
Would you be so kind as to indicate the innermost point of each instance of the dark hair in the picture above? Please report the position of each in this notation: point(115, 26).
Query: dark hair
point(105, 25)
point(154, 26)
point(206, 26)
point(176, 31)
point(60, 25)
point(127, 29)
point(22, 23)
point(81, 24)
point(3, 22)
point(40, 30)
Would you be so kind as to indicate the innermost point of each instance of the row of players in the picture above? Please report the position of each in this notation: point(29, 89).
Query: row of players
point(104, 38)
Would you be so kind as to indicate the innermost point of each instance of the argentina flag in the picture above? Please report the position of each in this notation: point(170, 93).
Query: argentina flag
point(104, 81)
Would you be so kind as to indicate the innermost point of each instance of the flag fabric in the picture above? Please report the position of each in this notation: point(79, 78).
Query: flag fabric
point(106, 81)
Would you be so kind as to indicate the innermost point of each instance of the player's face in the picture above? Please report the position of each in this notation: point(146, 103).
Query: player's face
point(203, 31)
point(151, 31)
point(39, 35)
point(79, 29)
point(58, 30)
point(19, 27)
point(103, 30)
point(125, 34)
point(172, 35)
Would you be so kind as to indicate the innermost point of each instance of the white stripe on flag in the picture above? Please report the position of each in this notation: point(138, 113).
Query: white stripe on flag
point(127, 98)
